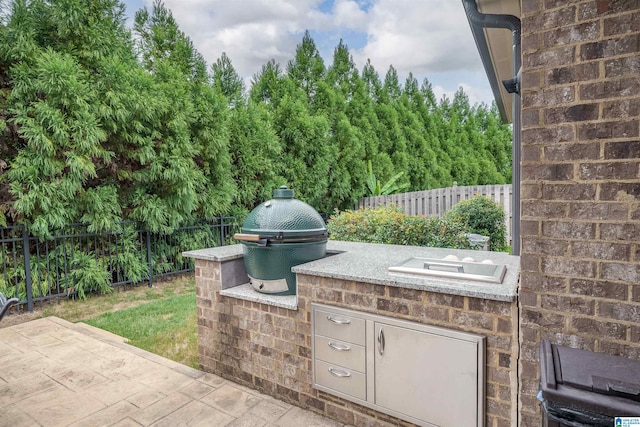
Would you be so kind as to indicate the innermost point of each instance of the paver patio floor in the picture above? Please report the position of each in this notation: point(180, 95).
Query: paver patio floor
point(57, 373)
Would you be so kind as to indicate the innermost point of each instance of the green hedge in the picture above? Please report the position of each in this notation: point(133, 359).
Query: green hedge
point(391, 226)
point(482, 216)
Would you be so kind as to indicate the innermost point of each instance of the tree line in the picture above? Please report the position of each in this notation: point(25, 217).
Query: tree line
point(100, 122)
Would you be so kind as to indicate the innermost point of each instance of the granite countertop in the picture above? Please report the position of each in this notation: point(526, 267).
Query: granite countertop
point(369, 263)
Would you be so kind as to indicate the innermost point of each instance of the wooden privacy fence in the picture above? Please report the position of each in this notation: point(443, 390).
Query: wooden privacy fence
point(438, 201)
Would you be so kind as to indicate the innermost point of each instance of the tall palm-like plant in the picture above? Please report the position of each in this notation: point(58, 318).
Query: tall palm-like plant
point(390, 187)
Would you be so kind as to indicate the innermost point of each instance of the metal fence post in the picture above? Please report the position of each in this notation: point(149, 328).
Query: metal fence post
point(27, 267)
point(222, 236)
point(149, 258)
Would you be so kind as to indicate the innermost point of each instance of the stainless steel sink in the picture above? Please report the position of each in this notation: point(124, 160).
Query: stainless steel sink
point(478, 271)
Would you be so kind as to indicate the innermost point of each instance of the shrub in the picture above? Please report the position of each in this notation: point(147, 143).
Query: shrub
point(482, 216)
point(389, 225)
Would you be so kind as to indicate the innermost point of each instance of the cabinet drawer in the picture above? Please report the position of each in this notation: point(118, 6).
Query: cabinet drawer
point(340, 326)
point(351, 356)
point(341, 379)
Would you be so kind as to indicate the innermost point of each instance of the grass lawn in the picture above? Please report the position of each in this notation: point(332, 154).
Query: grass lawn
point(167, 327)
point(161, 319)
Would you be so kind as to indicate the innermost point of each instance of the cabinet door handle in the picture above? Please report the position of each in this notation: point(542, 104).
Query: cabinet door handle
point(339, 373)
point(339, 347)
point(338, 321)
point(381, 342)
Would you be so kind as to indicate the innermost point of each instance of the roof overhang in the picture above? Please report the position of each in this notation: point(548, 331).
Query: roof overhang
point(495, 46)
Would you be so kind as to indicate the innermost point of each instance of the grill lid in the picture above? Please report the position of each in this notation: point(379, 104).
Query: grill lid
point(283, 219)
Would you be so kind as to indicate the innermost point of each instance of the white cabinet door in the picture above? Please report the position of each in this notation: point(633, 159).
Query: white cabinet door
point(427, 376)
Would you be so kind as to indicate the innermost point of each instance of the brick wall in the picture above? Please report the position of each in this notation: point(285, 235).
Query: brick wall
point(580, 280)
point(269, 348)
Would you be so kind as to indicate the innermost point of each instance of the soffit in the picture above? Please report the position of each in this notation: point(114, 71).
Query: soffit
point(498, 55)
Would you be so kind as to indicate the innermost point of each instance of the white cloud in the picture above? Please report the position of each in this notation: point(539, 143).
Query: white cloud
point(419, 36)
point(348, 14)
point(426, 37)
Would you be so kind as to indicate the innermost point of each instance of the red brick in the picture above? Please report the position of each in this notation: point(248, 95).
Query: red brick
point(587, 11)
point(556, 18)
point(584, 32)
point(623, 232)
point(531, 154)
point(489, 306)
point(598, 211)
point(549, 172)
point(599, 289)
point(529, 228)
point(530, 189)
point(568, 152)
point(568, 191)
point(546, 247)
point(627, 44)
point(575, 113)
point(403, 293)
point(544, 209)
point(542, 283)
point(621, 24)
point(530, 118)
point(528, 299)
point(622, 66)
point(617, 349)
point(529, 262)
point(568, 229)
point(608, 130)
point(430, 312)
point(531, 79)
point(620, 191)
point(567, 304)
point(531, 42)
point(505, 326)
point(609, 170)
point(531, 6)
point(599, 250)
point(620, 272)
point(619, 311)
point(470, 320)
point(397, 307)
point(597, 50)
point(609, 89)
point(568, 267)
point(569, 340)
point(544, 319)
point(572, 74)
point(551, 135)
point(605, 330)
point(454, 301)
point(623, 149)
point(549, 58)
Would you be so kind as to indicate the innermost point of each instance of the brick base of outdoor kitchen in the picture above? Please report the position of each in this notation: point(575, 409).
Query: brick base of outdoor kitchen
point(269, 348)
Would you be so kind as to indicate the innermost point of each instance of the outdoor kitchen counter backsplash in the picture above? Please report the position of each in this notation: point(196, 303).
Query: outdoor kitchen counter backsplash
point(268, 348)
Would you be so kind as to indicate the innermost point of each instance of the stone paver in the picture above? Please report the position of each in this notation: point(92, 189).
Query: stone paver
point(56, 373)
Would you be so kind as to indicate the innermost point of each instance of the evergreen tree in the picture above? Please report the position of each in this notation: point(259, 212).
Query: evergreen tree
point(227, 81)
point(347, 174)
point(254, 147)
point(93, 137)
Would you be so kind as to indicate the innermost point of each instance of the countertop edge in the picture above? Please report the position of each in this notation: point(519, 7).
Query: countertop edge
point(368, 263)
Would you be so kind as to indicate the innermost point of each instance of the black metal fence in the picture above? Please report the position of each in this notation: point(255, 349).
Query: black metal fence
point(76, 258)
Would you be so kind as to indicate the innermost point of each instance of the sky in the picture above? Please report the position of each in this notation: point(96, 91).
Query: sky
point(429, 38)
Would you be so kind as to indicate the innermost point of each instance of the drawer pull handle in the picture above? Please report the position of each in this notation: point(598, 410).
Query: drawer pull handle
point(381, 342)
point(338, 321)
point(339, 373)
point(339, 347)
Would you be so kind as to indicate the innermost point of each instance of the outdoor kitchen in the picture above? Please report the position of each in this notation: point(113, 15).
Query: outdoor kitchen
point(366, 334)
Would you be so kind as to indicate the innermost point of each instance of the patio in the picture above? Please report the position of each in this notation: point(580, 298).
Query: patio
point(57, 373)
